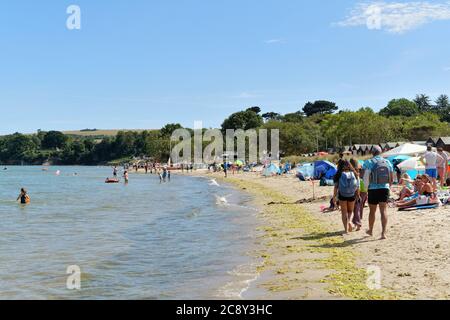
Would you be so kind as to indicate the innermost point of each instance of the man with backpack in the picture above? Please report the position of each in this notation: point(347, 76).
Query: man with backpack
point(379, 176)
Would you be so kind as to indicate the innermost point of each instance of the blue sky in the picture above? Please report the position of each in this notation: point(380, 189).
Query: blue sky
point(142, 64)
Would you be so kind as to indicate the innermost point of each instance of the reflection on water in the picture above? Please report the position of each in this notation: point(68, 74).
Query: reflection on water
point(143, 240)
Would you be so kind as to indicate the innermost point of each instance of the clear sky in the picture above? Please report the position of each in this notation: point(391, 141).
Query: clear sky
point(145, 63)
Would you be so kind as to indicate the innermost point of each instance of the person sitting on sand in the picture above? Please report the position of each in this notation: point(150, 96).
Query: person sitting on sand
point(346, 190)
point(23, 197)
point(408, 186)
point(424, 187)
point(422, 200)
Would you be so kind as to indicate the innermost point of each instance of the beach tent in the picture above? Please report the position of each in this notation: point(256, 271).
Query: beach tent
point(398, 159)
point(412, 167)
point(407, 149)
point(324, 167)
point(306, 169)
point(271, 170)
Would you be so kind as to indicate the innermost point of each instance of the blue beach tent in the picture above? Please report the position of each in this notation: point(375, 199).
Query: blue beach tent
point(271, 170)
point(306, 169)
point(324, 167)
point(395, 160)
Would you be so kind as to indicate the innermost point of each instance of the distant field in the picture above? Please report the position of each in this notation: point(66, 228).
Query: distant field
point(107, 133)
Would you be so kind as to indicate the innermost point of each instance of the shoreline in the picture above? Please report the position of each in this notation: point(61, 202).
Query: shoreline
point(304, 257)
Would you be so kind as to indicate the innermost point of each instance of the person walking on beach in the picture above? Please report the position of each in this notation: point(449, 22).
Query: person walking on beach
point(346, 190)
point(23, 197)
point(442, 166)
point(379, 176)
point(360, 203)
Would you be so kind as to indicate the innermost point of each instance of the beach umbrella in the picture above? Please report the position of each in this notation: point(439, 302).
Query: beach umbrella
point(408, 149)
point(412, 164)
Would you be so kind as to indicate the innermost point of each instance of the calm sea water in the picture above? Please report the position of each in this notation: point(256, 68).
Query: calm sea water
point(144, 240)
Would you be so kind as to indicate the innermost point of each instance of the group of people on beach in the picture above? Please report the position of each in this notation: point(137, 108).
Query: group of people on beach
point(355, 184)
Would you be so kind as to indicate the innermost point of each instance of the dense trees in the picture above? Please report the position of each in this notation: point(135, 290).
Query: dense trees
point(400, 107)
point(168, 129)
point(53, 140)
point(319, 107)
point(316, 127)
point(245, 120)
point(423, 102)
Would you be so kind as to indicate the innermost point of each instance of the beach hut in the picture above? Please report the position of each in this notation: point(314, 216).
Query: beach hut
point(444, 143)
point(432, 141)
point(324, 168)
point(271, 170)
point(392, 145)
point(407, 149)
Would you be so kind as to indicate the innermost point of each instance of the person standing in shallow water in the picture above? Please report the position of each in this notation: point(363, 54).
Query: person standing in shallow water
point(126, 176)
point(23, 197)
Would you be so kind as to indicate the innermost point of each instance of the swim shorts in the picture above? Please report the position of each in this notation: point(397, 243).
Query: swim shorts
point(432, 173)
point(378, 196)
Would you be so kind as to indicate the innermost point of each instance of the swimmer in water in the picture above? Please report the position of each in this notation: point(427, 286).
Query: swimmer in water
point(125, 176)
point(23, 197)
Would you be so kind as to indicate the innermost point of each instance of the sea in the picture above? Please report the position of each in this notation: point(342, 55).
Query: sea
point(81, 238)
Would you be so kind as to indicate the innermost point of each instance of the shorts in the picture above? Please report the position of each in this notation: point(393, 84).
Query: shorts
point(432, 173)
point(378, 196)
point(348, 199)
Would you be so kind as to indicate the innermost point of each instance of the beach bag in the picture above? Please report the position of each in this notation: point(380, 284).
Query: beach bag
point(380, 173)
point(348, 184)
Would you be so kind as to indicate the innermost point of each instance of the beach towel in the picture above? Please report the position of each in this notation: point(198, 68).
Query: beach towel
point(423, 207)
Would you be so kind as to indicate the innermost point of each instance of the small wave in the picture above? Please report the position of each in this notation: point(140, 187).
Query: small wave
point(245, 275)
point(214, 183)
point(222, 200)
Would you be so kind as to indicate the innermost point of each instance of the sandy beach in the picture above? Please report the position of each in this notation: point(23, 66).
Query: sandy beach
point(306, 256)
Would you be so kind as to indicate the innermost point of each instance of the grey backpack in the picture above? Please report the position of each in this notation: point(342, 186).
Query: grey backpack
point(381, 172)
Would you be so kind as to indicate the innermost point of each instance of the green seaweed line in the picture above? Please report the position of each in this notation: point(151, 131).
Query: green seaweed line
point(347, 280)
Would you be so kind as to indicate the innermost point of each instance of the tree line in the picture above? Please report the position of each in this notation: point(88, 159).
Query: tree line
point(318, 126)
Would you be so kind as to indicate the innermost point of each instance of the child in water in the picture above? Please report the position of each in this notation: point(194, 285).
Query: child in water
point(23, 197)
